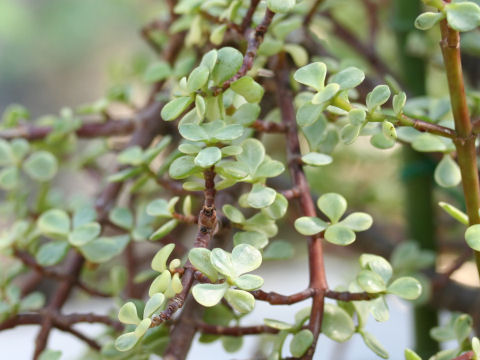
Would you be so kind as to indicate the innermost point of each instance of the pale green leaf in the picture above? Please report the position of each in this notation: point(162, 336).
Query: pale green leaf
point(248, 88)
point(348, 78)
point(153, 305)
point(159, 208)
point(374, 345)
point(197, 78)
point(462, 327)
point(9, 178)
point(277, 324)
point(209, 294)
point(463, 16)
point(229, 61)
point(126, 341)
point(447, 173)
point(200, 258)
point(337, 324)
point(161, 283)
point(193, 132)
point(245, 258)
point(183, 167)
point(222, 262)
point(371, 282)
point(164, 230)
point(159, 261)
point(208, 157)
point(252, 155)
point(240, 300)
point(142, 327)
point(406, 287)
point(280, 6)
point(84, 233)
point(457, 214)
point(174, 108)
point(279, 250)
point(105, 248)
point(249, 282)
point(377, 264)
point(261, 196)
point(312, 75)
point(377, 97)
point(301, 342)
point(333, 205)
point(122, 217)
point(41, 166)
point(358, 221)
point(339, 234)
point(157, 71)
point(233, 214)
point(307, 225)
point(427, 20)
point(128, 314)
point(316, 159)
point(279, 207)
point(54, 221)
point(411, 355)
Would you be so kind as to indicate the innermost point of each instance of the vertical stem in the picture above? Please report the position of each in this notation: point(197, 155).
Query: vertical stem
point(318, 280)
point(417, 173)
point(467, 159)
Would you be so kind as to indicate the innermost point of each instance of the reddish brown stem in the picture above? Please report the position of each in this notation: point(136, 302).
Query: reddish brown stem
point(255, 38)
point(87, 130)
point(247, 20)
point(235, 330)
point(469, 355)
point(349, 296)
point(28, 261)
point(318, 280)
point(207, 224)
point(277, 299)
point(268, 127)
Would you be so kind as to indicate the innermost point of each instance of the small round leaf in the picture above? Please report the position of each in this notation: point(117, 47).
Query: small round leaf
point(333, 205)
point(209, 294)
point(301, 342)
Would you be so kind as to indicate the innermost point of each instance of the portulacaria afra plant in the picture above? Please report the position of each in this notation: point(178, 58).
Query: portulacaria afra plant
point(195, 202)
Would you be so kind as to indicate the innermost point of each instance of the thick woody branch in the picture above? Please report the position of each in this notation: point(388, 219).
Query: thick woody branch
point(207, 224)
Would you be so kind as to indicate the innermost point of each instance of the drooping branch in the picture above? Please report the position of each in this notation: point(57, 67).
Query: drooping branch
point(62, 322)
point(28, 261)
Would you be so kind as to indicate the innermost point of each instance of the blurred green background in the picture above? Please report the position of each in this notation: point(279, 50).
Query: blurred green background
point(56, 53)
